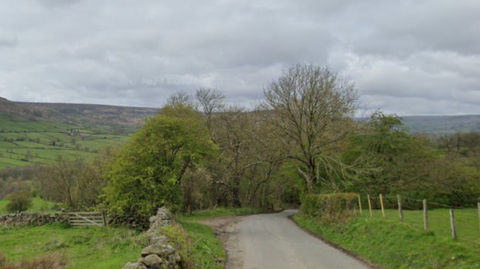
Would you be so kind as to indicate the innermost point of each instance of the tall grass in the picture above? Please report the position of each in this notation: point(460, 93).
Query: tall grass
point(55, 260)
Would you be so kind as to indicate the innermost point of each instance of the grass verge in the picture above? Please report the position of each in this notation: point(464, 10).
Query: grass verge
point(206, 249)
point(390, 244)
point(84, 247)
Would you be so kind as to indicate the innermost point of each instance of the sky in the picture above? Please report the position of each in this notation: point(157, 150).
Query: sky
point(406, 57)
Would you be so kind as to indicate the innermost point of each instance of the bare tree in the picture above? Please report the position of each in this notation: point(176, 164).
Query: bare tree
point(211, 101)
point(311, 108)
point(180, 98)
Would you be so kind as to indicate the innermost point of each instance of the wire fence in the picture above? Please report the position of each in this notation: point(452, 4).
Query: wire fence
point(458, 223)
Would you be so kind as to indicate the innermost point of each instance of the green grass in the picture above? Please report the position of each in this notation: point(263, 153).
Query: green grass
point(391, 244)
point(24, 142)
point(39, 206)
point(466, 220)
point(208, 250)
point(86, 247)
point(218, 212)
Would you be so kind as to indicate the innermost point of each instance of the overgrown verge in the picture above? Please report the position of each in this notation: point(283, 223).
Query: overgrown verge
point(56, 260)
point(393, 245)
point(206, 250)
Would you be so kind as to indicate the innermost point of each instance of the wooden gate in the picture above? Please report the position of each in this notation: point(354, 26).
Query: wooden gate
point(87, 219)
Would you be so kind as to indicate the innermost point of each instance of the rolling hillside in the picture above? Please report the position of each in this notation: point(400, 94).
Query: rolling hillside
point(443, 124)
point(98, 118)
point(38, 134)
point(25, 142)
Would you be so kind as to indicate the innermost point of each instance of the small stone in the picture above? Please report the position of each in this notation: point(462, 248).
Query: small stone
point(161, 250)
point(135, 265)
point(153, 261)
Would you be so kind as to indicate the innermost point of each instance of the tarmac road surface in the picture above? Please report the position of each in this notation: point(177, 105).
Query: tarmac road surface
point(272, 241)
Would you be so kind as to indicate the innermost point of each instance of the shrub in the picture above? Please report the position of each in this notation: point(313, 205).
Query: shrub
point(335, 206)
point(20, 201)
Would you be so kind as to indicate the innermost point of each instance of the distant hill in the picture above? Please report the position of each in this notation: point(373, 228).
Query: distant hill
point(119, 119)
point(442, 124)
point(94, 117)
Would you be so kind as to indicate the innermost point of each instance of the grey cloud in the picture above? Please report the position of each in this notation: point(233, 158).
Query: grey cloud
point(139, 52)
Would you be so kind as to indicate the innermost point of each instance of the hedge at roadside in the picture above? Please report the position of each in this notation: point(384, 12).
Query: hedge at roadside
point(330, 206)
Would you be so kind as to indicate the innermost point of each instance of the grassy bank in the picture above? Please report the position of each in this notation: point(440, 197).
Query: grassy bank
point(439, 222)
point(207, 250)
point(85, 247)
point(391, 244)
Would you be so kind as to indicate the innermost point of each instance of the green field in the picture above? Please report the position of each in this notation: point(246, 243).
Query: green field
point(39, 206)
point(85, 247)
point(24, 142)
point(390, 244)
point(467, 222)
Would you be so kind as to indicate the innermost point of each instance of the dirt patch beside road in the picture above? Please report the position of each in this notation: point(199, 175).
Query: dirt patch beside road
point(225, 230)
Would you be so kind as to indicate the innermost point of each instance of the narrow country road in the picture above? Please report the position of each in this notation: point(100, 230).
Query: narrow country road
point(272, 241)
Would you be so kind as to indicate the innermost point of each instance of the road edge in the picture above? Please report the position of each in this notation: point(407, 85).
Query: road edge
point(336, 246)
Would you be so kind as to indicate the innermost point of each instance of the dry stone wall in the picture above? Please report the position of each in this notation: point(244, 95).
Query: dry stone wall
point(159, 254)
point(33, 219)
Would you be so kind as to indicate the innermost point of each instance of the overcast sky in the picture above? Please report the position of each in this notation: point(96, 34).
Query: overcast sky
point(406, 57)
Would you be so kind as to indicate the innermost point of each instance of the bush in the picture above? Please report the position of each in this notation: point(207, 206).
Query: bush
point(330, 206)
point(148, 171)
point(20, 201)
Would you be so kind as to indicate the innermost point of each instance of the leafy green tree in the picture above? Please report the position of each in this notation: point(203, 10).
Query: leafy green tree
point(19, 201)
point(148, 171)
point(387, 159)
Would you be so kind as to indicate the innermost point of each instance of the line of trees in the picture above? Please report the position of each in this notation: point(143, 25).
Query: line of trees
point(200, 152)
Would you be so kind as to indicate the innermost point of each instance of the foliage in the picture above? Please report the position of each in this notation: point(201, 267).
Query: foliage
point(39, 205)
point(218, 212)
point(148, 171)
point(390, 244)
point(311, 109)
point(330, 207)
point(389, 161)
point(15, 184)
point(19, 201)
point(75, 183)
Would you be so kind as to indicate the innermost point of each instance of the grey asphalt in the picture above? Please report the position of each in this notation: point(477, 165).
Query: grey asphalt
point(272, 241)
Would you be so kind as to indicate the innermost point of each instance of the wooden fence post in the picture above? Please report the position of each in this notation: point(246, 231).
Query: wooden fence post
point(400, 210)
point(370, 206)
point(478, 205)
point(360, 205)
point(452, 223)
point(425, 215)
point(104, 214)
point(381, 205)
